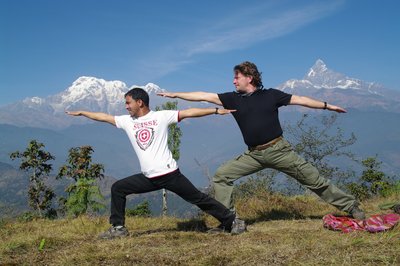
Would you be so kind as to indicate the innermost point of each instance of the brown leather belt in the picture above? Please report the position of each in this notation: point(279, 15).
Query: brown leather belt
point(266, 145)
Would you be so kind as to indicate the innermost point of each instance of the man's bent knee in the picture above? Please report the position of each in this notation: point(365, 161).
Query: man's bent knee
point(116, 187)
point(219, 176)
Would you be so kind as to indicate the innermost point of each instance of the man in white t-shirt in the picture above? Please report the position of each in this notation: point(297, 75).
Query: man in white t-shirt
point(148, 132)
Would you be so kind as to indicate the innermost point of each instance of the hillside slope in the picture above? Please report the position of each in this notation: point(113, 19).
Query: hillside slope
point(273, 238)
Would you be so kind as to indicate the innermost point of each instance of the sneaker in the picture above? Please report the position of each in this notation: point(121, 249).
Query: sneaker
point(238, 227)
point(218, 230)
point(357, 213)
point(114, 232)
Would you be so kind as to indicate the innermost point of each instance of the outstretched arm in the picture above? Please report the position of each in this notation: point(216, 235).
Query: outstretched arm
point(101, 117)
point(198, 112)
point(311, 103)
point(196, 96)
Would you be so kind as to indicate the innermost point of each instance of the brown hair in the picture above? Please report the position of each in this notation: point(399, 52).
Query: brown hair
point(249, 69)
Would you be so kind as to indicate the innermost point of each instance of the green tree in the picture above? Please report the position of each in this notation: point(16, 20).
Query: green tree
point(34, 161)
point(259, 183)
point(373, 181)
point(174, 142)
point(320, 142)
point(84, 194)
point(142, 209)
point(174, 131)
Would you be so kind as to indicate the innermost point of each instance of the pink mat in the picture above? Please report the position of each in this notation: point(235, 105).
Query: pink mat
point(376, 223)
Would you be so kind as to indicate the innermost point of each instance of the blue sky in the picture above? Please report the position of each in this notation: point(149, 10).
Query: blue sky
point(191, 45)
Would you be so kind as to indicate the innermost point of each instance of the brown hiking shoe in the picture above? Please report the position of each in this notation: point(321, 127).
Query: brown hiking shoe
point(238, 227)
point(357, 213)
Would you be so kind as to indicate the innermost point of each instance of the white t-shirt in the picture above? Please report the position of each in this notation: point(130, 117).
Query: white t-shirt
point(149, 137)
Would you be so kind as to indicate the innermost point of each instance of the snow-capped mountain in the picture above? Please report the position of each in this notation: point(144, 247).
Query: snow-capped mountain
point(102, 95)
point(320, 77)
point(90, 93)
point(85, 93)
point(325, 84)
point(99, 95)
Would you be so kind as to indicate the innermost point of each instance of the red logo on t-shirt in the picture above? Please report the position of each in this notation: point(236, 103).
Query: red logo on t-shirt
point(144, 137)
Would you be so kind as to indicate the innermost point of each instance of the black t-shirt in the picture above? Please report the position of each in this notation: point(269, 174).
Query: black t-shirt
point(257, 114)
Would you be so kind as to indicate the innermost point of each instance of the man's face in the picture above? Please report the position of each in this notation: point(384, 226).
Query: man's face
point(132, 105)
point(241, 82)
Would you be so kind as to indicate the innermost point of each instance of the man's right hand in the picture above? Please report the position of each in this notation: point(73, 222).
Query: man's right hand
point(167, 94)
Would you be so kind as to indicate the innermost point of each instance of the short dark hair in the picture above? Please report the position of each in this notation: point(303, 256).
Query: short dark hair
point(250, 69)
point(139, 94)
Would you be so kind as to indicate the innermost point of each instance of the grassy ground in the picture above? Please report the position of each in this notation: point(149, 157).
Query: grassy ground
point(290, 233)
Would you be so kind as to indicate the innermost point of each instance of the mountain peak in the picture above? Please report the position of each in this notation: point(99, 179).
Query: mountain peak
point(150, 88)
point(153, 88)
point(34, 100)
point(94, 90)
point(321, 77)
point(89, 84)
point(317, 69)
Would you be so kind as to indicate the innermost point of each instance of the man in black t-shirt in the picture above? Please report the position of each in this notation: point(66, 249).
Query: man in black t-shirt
point(257, 117)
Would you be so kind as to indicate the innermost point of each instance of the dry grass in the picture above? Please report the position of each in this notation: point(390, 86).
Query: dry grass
point(273, 238)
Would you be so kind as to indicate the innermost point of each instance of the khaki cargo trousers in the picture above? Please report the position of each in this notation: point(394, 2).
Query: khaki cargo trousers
point(281, 157)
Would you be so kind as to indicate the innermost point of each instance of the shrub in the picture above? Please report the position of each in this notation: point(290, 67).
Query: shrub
point(142, 209)
point(27, 216)
point(259, 183)
point(373, 182)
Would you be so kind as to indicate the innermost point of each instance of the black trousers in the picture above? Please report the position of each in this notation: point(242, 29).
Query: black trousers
point(175, 182)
